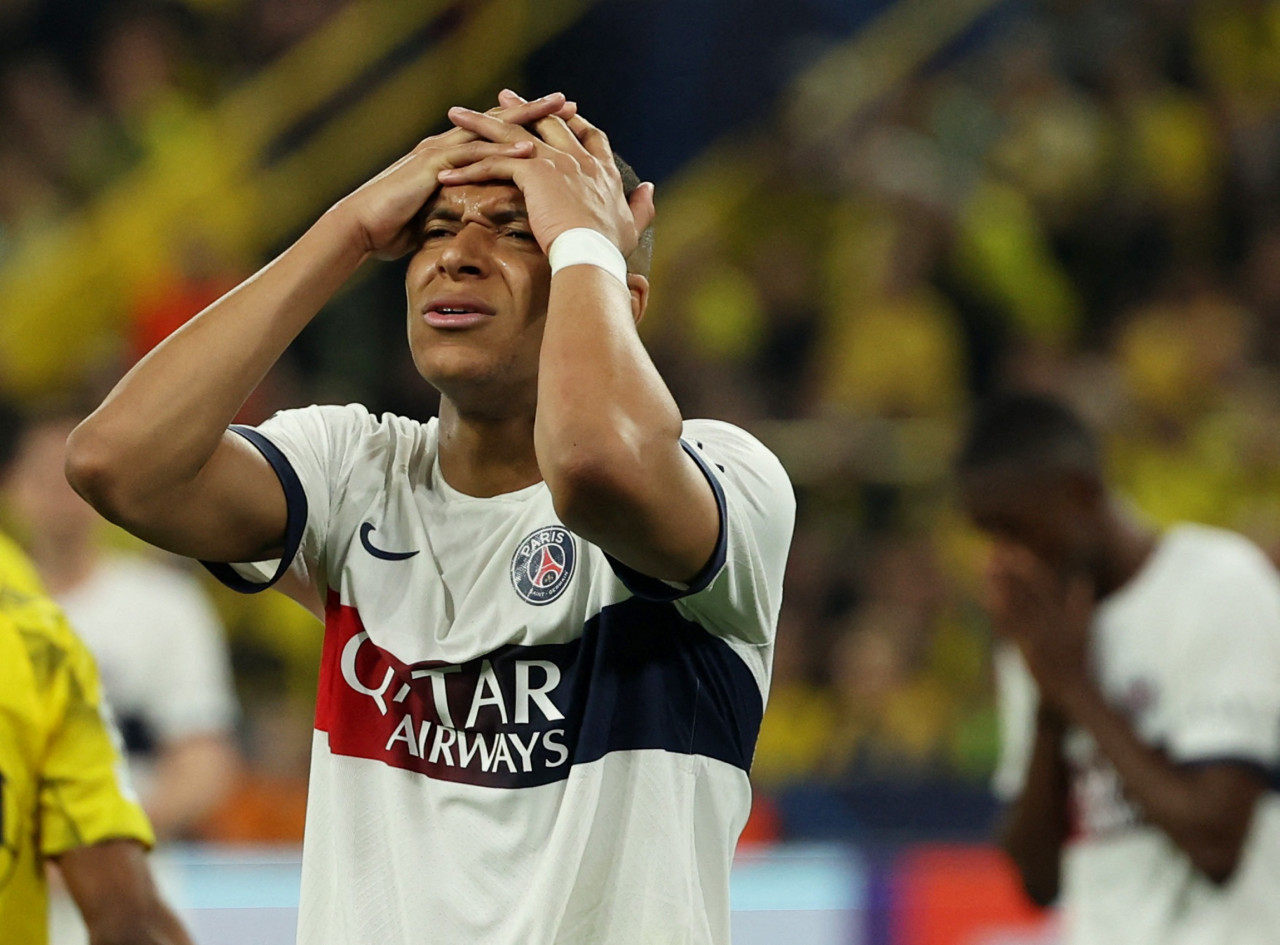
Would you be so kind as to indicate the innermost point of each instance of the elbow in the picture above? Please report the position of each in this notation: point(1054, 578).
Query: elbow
point(1042, 894)
point(597, 466)
point(1040, 875)
point(1039, 881)
point(118, 484)
point(583, 489)
point(589, 484)
point(93, 471)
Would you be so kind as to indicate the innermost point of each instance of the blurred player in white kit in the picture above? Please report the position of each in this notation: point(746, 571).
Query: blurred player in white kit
point(151, 627)
point(549, 613)
point(1140, 692)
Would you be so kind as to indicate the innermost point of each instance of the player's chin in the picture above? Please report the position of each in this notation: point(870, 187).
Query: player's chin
point(456, 368)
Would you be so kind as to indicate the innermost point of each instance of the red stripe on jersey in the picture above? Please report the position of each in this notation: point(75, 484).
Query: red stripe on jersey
point(452, 723)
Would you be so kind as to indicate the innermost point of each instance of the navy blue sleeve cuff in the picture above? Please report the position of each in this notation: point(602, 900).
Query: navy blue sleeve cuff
point(1270, 776)
point(295, 522)
point(650, 588)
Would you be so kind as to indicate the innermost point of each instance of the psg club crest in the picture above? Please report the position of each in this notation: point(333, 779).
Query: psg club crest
point(542, 566)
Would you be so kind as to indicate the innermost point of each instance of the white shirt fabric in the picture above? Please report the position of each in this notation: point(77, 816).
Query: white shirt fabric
point(519, 742)
point(160, 649)
point(1189, 650)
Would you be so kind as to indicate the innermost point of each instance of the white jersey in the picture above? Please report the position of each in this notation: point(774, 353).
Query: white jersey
point(518, 740)
point(1189, 650)
point(160, 650)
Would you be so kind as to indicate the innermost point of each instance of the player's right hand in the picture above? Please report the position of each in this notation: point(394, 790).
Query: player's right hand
point(379, 215)
point(1047, 615)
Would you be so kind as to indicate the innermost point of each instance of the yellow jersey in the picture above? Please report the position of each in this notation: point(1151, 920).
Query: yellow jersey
point(62, 778)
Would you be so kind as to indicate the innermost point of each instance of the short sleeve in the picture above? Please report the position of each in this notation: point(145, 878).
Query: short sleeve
point(309, 450)
point(1226, 706)
point(84, 792)
point(739, 594)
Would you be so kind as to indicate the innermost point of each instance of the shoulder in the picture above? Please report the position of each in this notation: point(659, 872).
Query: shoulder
point(37, 633)
point(723, 434)
point(1222, 593)
point(348, 421)
point(732, 450)
point(1217, 554)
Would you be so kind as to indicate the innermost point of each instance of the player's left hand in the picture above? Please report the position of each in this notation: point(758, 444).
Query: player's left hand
point(568, 180)
point(1048, 617)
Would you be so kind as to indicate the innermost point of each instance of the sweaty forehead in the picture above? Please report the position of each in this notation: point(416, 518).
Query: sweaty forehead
point(485, 200)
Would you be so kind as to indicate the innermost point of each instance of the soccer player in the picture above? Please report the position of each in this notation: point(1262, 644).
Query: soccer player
point(62, 794)
point(1143, 784)
point(549, 613)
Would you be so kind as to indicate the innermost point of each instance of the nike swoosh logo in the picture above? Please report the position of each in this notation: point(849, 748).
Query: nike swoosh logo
point(365, 531)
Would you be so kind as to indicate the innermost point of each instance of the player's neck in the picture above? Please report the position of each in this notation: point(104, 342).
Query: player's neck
point(1128, 544)
point(486, 456)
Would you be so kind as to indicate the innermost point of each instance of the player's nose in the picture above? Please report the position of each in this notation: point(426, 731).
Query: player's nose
point(467, 253)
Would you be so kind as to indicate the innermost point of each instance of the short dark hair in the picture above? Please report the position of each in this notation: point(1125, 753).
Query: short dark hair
point(1028, 431)
point(642, 256)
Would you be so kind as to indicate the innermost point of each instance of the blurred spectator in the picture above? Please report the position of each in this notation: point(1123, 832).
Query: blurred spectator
point(154, 634)
point(268, 801)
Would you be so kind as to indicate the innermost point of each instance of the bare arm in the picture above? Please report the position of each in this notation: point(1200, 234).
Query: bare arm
point(1205, 809)
point(112, 886)
point(607, 431)
point(1037, 824)
point(193, 775)
point(156, 457)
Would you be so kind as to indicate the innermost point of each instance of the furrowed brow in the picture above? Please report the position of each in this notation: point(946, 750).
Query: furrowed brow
point(442, 213)
point(509, 216)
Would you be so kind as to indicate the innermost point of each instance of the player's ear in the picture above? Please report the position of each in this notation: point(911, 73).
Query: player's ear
point(639, 288)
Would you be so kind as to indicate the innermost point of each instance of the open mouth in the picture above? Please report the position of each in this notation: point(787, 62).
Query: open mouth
point(456, 313)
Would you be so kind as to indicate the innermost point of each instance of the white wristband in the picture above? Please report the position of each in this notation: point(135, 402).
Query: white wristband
point(582, 246)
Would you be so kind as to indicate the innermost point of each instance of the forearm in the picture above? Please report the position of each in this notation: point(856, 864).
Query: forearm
point(603, 409)
point(112, 886)
point(1037, 825)
point(163, 421)
point(191, 778)
point(156, 926)
point(1202, 812)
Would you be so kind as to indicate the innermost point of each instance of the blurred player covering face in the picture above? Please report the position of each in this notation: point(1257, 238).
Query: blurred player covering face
point(1139, 683)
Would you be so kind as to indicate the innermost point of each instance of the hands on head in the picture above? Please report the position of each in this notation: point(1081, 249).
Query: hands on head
point(1046, 615)
point(561, 162)
point(568, 175)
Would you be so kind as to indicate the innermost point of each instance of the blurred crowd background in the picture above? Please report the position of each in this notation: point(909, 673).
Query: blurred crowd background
point(870, 214)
